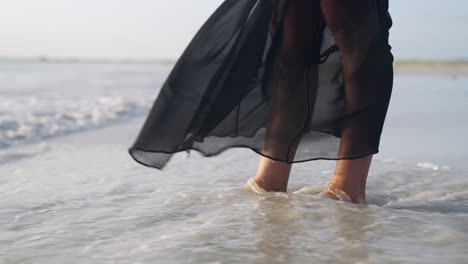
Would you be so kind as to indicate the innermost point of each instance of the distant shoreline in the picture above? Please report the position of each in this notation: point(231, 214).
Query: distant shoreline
point(454, 68)
point(44, 59)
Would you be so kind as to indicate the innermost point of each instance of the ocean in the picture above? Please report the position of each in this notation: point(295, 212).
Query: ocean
point(69, 191)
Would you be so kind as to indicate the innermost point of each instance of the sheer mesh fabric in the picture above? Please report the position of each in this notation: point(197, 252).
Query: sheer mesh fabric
point(293, 80)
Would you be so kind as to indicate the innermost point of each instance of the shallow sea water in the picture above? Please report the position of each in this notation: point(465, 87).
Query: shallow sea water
point(79, 198)
point(88, 203)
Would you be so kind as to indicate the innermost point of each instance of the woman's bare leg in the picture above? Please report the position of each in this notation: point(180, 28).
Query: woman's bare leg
point(368, 77)
point(290, 97)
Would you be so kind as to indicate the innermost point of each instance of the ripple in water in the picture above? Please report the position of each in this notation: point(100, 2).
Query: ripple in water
point(183, 215)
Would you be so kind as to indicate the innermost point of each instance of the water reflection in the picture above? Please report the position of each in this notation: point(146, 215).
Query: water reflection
point(355, 228)
point(303, 229)
point(276, 230)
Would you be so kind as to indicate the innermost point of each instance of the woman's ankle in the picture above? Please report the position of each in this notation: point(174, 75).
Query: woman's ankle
point(270, 185)
point(273, 176)
point(345, 191)
point(350, 177)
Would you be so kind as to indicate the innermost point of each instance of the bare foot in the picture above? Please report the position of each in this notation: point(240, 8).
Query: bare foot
point(252, 186)
point(246, 188)
point(333, 192)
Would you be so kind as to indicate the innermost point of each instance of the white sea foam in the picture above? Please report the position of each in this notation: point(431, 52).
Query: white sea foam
point(42, 100)
point(432, 166)
point(35, 119)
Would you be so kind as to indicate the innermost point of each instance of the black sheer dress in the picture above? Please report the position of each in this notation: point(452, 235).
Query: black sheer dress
point(293, 80)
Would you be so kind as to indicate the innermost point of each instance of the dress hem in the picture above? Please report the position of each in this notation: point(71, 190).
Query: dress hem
point(130, 151)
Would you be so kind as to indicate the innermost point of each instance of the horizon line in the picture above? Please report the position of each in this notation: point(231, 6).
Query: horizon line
point(154, 60)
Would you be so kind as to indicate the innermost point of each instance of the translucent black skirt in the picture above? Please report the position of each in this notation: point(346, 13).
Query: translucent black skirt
point(293, 80)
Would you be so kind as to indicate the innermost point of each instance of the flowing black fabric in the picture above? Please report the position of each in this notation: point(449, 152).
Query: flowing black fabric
point(293, 80)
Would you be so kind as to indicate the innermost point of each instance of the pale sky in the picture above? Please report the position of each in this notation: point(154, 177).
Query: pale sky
point(147, 29)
